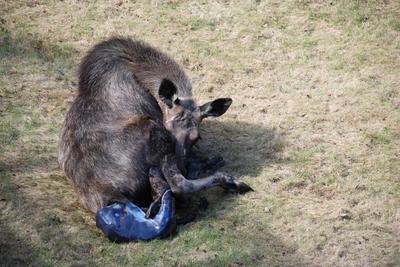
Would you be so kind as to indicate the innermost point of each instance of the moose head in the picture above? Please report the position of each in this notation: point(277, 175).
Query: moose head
point(182, 117)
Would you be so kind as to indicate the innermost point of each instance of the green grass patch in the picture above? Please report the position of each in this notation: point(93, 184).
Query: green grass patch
point(204, 48)
point(384, 137)
point(308, 43)
point(198, 23)
point(394, 23)
point(9, 134)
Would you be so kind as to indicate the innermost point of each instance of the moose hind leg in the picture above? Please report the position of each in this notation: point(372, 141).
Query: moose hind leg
point(182, 186)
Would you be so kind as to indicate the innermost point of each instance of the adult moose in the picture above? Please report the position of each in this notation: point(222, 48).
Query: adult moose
point(134, 112)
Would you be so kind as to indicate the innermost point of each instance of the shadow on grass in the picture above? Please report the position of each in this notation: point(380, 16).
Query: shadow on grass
point(15, 251)
point(247, 148)
point(33, 228)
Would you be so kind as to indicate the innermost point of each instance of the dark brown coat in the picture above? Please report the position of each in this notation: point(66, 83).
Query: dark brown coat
point(134, 108)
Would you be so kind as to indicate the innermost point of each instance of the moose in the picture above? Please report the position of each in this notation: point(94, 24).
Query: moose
point(135, 118)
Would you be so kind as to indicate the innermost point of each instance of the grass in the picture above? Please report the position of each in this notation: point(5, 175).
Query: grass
point(314, 128)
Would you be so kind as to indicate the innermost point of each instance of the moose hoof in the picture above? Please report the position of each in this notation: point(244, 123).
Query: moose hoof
point(243, 188)
point(232, 184)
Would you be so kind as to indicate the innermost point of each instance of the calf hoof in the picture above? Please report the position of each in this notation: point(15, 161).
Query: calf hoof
point(232, 184)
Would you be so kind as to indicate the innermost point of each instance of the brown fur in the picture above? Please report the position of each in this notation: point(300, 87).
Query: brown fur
point(134, 108)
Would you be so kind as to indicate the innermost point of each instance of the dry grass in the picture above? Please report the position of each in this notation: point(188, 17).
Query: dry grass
point(314, 128)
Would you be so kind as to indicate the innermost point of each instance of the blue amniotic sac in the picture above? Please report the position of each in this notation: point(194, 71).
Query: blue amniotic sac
point(123, 222)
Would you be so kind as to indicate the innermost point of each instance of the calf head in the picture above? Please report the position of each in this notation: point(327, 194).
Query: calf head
point(182, 117)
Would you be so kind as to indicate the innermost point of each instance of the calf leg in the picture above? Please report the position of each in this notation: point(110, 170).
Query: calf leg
point(182, 186)
point(158, 187)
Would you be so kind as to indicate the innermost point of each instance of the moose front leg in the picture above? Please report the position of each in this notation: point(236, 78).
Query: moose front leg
point(182, 186)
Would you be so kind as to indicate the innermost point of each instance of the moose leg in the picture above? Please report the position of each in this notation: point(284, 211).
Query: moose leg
point(182, 186)
point(158, 187)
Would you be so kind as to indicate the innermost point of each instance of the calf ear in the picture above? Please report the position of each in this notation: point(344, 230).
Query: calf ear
point(215, 108)
point(167, 92)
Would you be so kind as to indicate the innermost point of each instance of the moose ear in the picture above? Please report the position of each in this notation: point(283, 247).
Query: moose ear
point(215, 108)
point(167, 92)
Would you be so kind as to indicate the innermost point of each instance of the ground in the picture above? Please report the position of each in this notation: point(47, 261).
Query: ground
point(314, 128)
